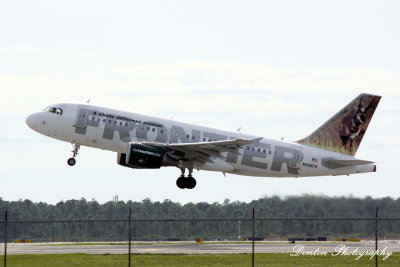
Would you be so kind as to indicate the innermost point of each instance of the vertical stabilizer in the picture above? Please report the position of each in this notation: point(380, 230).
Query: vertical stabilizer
point(343, 132)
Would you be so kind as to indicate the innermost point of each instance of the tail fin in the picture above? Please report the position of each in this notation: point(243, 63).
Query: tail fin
point(343, 132)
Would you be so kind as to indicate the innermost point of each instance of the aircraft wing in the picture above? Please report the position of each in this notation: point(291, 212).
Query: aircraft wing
point(202, 151)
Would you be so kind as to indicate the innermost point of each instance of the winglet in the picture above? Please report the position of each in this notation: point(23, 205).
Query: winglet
point(256, 140)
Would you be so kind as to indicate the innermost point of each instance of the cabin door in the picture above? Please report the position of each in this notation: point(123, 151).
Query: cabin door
point(81, 117)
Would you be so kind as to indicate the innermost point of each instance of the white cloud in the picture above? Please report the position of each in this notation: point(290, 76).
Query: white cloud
point(199, 86)
point(22, 49)
point(7, 50)
point(262, 100)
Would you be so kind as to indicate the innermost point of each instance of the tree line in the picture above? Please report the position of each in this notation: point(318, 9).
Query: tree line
point(286, 209)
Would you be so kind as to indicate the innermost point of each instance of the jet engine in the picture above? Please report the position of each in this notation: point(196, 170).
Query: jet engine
point(141, 156)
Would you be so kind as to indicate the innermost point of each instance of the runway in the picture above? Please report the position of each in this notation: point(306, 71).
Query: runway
point(194, 248)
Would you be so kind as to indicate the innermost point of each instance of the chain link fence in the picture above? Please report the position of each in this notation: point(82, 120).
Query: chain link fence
point(202, 242)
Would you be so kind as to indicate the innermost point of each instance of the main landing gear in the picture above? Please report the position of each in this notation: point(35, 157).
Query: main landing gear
point(75, 152)
point(186, 182)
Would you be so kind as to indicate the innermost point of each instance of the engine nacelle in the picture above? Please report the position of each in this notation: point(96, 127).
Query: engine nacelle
point(141, 157)
point(121, 160)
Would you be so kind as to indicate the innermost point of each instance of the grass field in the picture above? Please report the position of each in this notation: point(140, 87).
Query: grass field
point(273, 259)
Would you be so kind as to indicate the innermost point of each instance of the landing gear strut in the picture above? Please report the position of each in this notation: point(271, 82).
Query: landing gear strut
point(75, 152)
point(186, 182)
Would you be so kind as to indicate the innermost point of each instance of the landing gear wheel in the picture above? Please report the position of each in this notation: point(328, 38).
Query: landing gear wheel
point(75, 152)
point(181, 182)
point(190, 182)
point(71, 161)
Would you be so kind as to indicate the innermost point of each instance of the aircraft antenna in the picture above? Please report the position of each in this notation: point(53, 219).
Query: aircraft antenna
point(88, 101)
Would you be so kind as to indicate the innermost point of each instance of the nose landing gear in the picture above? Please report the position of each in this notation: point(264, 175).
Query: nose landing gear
point(75, 152)
point(186, 182)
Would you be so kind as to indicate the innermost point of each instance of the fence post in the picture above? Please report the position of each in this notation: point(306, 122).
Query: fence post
point(130, 237)
point(252, 251)
point(5, 238)
point(376, 236)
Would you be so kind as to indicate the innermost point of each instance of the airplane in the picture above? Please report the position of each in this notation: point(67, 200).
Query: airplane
point(148, 142)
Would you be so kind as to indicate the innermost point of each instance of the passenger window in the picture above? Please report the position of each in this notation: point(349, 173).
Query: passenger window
point(126, 124)
point(104, 120)
point(120, 123)
point(154, 129)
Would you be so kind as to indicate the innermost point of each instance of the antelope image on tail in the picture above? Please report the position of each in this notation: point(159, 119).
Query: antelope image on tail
point(344, 131)
point(351, 125)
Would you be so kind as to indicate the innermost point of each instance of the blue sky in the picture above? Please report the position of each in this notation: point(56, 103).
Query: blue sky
point(274, 68)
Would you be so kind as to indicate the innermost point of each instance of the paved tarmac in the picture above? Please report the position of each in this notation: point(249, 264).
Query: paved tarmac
point(195, 248)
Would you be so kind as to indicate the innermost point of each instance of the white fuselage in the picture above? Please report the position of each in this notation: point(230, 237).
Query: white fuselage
point(112, 129)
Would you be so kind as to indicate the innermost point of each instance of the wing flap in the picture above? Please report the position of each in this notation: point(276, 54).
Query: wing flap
point(220, 146)
point(235, 143)
point(202, 151)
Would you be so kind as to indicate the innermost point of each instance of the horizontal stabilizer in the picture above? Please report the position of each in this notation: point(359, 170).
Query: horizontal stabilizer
point(336, 163)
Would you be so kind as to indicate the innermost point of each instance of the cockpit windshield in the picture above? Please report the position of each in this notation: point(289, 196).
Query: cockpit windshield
point(55, 110)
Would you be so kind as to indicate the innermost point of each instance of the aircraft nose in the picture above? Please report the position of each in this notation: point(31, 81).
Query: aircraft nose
point(31, 121)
